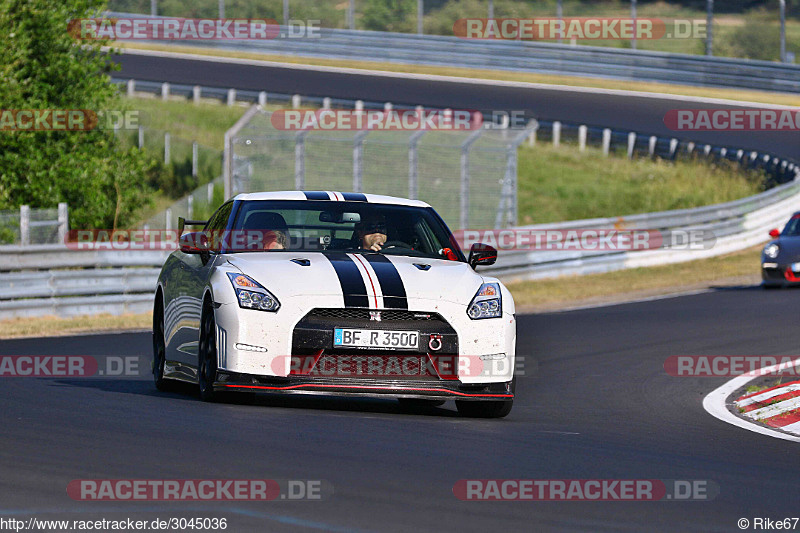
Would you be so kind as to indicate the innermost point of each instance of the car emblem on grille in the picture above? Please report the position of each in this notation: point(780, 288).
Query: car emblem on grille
point(375, 315)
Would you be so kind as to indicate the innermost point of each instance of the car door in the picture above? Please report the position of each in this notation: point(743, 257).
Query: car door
point(192, 276)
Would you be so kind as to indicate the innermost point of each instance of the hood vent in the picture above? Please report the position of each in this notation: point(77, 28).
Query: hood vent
point(422, 266)
point(301, 261)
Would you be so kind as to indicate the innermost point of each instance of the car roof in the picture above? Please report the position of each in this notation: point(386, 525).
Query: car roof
point(334, 196)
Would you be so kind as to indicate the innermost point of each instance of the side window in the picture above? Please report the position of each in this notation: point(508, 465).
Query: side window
point(216, 225)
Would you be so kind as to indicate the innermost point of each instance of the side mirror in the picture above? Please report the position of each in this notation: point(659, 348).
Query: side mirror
point(194, 243)
point(481, 254)
point(774, 233)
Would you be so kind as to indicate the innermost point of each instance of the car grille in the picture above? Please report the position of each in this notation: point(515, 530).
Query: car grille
point(364, 314)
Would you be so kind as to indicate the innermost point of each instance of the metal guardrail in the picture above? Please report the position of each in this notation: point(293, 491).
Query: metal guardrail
point(107, 281)
point(524, 56)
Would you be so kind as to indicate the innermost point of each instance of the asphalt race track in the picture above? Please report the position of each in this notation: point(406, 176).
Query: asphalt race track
point(641, 114)
point(596, 405)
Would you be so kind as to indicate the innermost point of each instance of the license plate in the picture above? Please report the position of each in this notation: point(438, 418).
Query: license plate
point(375, 338)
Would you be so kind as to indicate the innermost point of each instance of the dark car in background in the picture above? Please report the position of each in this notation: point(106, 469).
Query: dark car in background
point(780, 258)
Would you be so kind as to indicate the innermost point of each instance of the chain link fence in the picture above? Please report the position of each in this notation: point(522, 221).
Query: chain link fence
point(469, 177)
point(26, 226)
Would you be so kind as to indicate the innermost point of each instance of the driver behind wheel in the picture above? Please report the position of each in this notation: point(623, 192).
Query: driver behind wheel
point(371, 232)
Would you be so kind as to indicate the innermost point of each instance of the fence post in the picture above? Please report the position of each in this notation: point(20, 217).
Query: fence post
point(582, 131)
point(532, 139)
point(556, 134)
point(194, 159)
point(231, 97)
point(300, 160)
point(190, 207)
point(131, 87)
point(420, 10)
point(63, 222)
point(723, 153)
point(606, 141)
point(25, 225)
point(358, 160)
point(210, 193)
point(673, 147)
point(166, 148)
point(141, 138)
point(651, 145)
point(413, 171)
point(196, 91)
point(165, 91)
point(707, 149)
point(326, 103)
point(296, 101)
point(465, 146)
point(262, 98)
point(168, 219)
point(631, 144)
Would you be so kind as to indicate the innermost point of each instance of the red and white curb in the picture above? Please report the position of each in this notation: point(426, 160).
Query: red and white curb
point(777, 407)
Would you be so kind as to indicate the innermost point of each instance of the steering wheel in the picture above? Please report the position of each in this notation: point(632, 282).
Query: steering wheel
point(395, 244)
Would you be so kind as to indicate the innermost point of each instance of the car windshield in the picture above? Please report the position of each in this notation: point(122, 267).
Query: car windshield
point(792, 228)
point(321, 226)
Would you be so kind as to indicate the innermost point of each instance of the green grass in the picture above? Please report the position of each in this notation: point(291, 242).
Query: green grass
point(558, 184)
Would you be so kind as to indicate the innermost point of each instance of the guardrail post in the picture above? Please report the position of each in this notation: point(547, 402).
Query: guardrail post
point(166, 148)
point(739, 154)
point(465, 146)
point(358, 160)
point(326, 103)
point(723, 153)
point(63, 222)
point(262, 98)
point(231, 97)
point(300, 160)
point(651, 145)
point(194, 159)
point(673, 147)
point(606, 141)
point(690, 148)
point(532, 139)
point(141, 138)
point(196, 91)
point(190, 207)
point(168, 219)
point(25, 225)
point(387, 107)
point(413, 176)
point(359, 105)
point(131, 87)
point(707, 150)
point(582, 131)
point(296, 101)
point(556, 134)
point(165, 91)
point(210, 193)
point(631, 144)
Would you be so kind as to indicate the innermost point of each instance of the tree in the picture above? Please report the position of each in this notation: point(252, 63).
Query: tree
point(43, 67)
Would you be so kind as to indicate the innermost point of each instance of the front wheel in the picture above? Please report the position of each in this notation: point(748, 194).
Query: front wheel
point(207, 356)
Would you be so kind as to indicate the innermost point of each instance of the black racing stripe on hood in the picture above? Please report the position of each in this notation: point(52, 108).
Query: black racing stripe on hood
point(394, 292)
point(353, 288)
point(316, 195)
point(353, 196)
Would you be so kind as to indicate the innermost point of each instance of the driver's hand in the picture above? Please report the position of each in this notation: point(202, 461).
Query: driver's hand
point(375, 247)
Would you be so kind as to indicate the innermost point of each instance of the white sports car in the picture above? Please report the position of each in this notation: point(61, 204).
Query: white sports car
point(334, 293)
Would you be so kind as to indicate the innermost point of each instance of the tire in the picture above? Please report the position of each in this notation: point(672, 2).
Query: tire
point(770, 287)
point(207, 356)
point(486, 408)
point(159, 346)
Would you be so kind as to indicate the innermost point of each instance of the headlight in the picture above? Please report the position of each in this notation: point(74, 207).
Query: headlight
point(487, 302)
point(771, 250)
point(251, 295)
